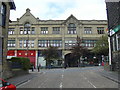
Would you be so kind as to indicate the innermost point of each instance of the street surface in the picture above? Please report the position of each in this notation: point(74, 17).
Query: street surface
point(87, 77)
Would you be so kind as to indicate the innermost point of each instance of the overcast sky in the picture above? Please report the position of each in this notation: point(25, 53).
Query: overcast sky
point(61, 9)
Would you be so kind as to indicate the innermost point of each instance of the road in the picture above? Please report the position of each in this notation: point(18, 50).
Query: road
point(70, 78)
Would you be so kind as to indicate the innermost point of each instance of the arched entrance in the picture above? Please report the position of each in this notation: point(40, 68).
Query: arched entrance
point(70, 61)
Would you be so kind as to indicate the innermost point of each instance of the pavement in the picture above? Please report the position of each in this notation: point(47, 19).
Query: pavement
point(114, 76)
point(24, 78)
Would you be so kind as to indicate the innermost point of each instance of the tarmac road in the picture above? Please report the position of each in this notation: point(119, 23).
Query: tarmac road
point(88, 77)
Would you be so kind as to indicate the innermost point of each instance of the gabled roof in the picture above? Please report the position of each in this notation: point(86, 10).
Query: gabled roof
point(71, 16)
point(27, 11)
point(27, 17)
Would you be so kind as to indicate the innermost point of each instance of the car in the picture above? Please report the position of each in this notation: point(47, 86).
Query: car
point(4, 85)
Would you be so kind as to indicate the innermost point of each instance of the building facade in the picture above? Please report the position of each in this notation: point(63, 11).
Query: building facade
point(28, 36)
point(113, 13)
point(5, 7)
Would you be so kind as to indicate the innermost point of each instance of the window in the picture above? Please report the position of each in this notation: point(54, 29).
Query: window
point(44, 30)
point(11, 43)
point(100, 30)
point(27, 28)
point(21, 30)
point(89, 43)
point(71, 28)
point(32, 43)
point(2, 14)
point(87, 30)
point(56, 30)
point(27, 43)
point(33, 30)
point(11, 31)
point(47, 43)
point(118, 41)
point(20, 43)
point(69, 43)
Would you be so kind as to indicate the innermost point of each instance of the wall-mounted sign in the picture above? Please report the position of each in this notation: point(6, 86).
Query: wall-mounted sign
point(113, 31)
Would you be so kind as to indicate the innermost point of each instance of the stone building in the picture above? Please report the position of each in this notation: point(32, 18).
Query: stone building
point(5, 7)
point(113, 13)
point(29, 35)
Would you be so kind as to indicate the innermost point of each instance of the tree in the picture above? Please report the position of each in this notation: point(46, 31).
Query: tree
point(102, 46)
point(79, 50)
point(51, 54)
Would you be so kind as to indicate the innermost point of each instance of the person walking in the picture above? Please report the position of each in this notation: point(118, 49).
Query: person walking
point(39, 66)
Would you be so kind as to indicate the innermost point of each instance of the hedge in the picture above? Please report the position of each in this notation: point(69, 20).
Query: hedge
point(24, 62)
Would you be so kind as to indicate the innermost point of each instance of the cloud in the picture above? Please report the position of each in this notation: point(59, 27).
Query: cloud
point(61, 9)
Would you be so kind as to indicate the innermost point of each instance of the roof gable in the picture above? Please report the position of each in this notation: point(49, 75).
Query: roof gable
point(27, 17)
point(71, 19)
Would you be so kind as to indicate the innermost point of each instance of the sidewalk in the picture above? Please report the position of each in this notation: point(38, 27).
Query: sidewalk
point(112, 75)
point(24, 78)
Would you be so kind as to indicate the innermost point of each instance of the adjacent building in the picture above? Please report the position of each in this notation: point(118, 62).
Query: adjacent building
point(113, 13)
point(5, 7)
point(29, 35)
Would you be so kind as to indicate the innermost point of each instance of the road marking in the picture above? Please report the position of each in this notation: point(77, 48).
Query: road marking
point(23, 83)
point(92, 84)
point(62, 76)
point(89, 82)
point(85, 78)
point(44, 72)
point(61, 85)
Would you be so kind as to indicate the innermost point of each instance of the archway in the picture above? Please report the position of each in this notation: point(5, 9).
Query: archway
point(70, 61)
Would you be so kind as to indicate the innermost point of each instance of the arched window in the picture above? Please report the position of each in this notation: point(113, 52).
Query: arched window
point(27, 24)
point(71, 28)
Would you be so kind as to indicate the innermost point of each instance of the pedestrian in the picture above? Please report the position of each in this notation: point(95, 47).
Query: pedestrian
point(32, 66)
point(39, 66)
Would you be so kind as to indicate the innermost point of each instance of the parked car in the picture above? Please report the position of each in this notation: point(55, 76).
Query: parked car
point(4, 85)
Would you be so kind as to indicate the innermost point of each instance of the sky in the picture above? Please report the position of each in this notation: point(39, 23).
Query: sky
point(61, 9)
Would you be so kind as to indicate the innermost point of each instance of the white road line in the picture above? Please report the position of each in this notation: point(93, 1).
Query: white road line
point(85, 78)
point(42, 84)
point(62, 76)
point(61, 85)
point(92, 84)
point(23, 83)
point(44, 72)
point(89, 82)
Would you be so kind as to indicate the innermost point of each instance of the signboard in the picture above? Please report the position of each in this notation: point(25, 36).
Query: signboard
point(113, 31)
